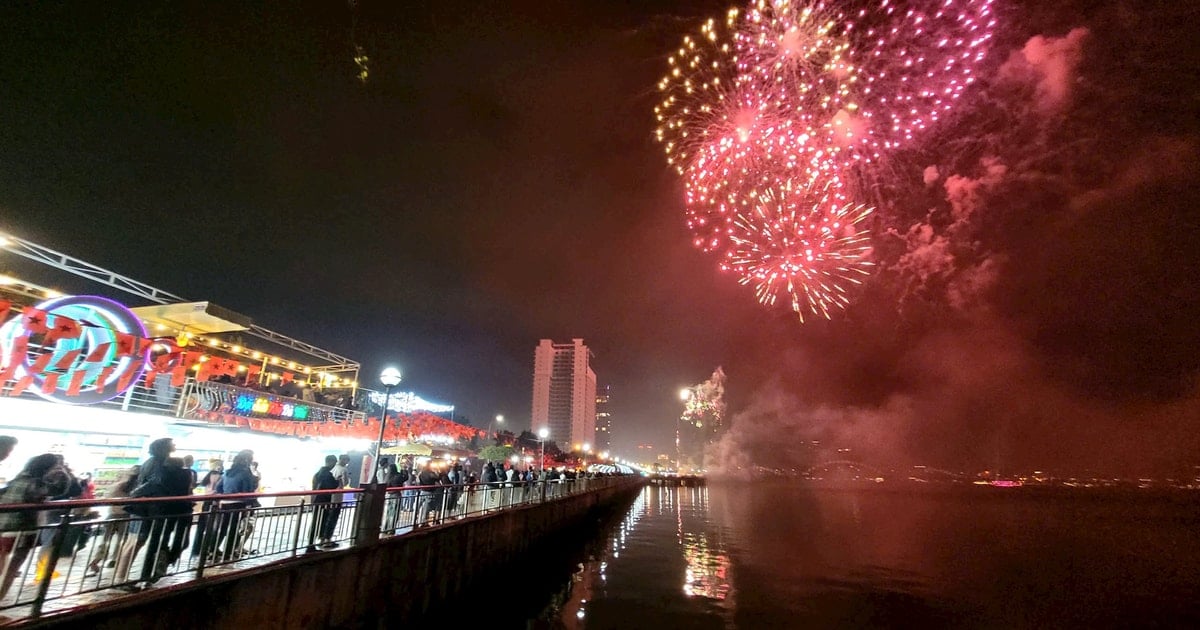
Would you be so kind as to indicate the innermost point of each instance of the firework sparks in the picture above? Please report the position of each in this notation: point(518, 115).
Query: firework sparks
point(765, 112)
point(802, 244)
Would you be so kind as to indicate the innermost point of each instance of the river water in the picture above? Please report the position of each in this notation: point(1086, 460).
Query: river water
point(788, 555)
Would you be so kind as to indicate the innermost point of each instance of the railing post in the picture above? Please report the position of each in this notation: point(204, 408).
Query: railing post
point(56, 548)
point(296, 530)
point(125, 400)
point(368, 515)
point(210, 525)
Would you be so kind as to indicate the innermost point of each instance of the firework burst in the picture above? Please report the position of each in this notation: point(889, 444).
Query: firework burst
point(803, 245)
point(766, 113)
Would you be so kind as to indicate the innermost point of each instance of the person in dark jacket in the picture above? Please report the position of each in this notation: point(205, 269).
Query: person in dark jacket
point(37, 481)
point(231, 512)
point(395, 479)
point(427, 478)
point(321, 526)
point(177, 515)
point(150, 484)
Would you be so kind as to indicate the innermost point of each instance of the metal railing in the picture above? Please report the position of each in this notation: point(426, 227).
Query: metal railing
point(412, 507)
point(62, 555)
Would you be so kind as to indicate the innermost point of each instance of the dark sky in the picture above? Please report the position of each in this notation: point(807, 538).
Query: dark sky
point(495, 181)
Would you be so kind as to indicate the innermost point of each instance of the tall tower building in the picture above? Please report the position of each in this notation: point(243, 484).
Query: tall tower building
point(564, 392)
point(603, 420)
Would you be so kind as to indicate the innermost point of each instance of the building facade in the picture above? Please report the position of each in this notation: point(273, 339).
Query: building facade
point(564, 393)
point(603, 419)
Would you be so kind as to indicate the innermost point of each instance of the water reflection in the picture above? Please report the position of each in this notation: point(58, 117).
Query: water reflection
point(708, 566)
point(776, 555)
point(666, 538)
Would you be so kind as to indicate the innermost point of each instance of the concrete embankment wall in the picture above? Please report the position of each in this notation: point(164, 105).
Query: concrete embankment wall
point(383, 584)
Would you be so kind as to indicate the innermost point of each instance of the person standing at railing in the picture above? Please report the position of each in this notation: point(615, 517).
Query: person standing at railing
point(48, 538)
point(230, 512)
point(340, 472)
point(392, 479)
point(456, 487)
point(208, 485)
point(150, 484)
point(426, 479)
point(188, 462)
point(18, 530)
point(440, 494)
point(320, 528)
point(177, 516)
point(116, 529)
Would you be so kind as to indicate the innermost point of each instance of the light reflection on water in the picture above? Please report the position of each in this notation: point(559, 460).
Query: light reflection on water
point(770, 555)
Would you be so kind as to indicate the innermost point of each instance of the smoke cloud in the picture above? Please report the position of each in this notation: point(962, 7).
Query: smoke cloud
point(1035, 309)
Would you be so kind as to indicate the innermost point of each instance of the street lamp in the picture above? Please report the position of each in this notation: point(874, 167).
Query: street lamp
point(685, 394)
point(390, 377)
point(543, 433)
point(499, 420)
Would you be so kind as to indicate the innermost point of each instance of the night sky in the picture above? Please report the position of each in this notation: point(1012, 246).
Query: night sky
point(495, 181)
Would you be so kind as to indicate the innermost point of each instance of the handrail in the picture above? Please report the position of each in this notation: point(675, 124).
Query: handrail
point(229, 532)
point(201, 498)
point(194, 498)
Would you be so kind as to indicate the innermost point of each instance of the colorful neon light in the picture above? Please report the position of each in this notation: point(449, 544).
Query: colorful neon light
point(101, 320)
point(247, 404)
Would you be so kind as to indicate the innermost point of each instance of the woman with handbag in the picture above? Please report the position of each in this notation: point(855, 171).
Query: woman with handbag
point(150, 483)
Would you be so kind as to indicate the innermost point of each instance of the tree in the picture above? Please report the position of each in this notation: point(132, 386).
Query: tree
point(496, 453)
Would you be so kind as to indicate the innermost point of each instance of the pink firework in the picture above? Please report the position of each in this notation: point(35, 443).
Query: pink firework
point(869, 76)
point(802, 244)
point(765, 113)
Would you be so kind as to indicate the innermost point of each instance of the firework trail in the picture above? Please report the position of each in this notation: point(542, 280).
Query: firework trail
point(766, 113)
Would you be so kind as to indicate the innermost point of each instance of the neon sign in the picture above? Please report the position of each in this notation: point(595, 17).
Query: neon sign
point(84, 369)
point(247, 404)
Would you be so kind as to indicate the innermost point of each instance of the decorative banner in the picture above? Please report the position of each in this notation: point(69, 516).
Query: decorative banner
point(63, 328)
point(34, 320)
point(78, 334)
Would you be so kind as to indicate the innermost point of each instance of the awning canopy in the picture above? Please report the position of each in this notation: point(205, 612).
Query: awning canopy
point(197, 317)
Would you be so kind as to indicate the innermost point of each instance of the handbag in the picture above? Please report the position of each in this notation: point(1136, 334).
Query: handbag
point(144, 490)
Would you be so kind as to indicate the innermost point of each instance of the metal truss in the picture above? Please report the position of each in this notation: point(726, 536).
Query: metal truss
point(95, 273)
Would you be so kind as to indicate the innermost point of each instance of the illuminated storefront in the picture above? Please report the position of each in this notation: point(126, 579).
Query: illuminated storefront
point(96, 380)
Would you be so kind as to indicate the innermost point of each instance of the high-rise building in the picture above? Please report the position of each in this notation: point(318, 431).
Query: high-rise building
point(564, 392)
point(603, 420)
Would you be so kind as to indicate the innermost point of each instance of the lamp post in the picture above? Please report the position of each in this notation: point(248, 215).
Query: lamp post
point(499, 420)
point(390, 377)
point(543, 433)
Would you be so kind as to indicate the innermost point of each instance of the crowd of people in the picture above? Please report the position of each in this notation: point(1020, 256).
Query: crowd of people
point(220, 523)
point(160, 528)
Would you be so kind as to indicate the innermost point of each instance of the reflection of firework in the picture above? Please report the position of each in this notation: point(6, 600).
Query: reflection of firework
point(806, 246)
point(788, 96)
